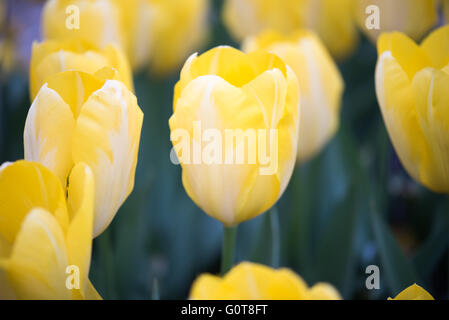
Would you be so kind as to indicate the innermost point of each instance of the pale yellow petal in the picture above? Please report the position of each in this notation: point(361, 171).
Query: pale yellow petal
point(106, 138)
point(397, 103)
point(430, 89)
point(80, 231)
point(48, 133)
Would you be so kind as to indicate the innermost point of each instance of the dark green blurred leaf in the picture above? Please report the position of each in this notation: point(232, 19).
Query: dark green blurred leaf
point(396, 268)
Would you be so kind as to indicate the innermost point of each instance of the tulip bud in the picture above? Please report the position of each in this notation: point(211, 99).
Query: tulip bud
point(234, 129)
point(251, 281)
point(331, 20)
point(41, 236)
point(95, 21)
point(412, 85)
point(414, 292)
point(163, 33)
point(78, 117)
point(50, 57)
point(320, 83)
point(397, 15)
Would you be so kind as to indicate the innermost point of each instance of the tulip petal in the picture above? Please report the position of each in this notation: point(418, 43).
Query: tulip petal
point(430, 88)
point(80, 231)
point(205, 287)
point(436, 46)
point(99, 21)
point(6, 292)
point(26, 185)
point(90, 293)
point(323, 291)
point(75, 87)
point(257, 282)
point(407, 53)
point(414, 292)
point(107, 138)
point(48, 133)
point(207, 100)
point(37, 266)
point(396, 100)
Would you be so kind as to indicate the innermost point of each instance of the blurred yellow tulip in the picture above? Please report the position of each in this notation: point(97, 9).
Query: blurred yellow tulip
point(412, 86)
point(78, 117)
point(52, 56)
point(95, 21)
point(251, 281)
point(42, 236)
point(412, 17)
point(332, 20)
point(235, 97)
point(320, 83)
point(414, 292)
point(163, 33)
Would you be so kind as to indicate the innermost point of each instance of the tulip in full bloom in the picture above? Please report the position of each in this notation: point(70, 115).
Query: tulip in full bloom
point(227, 102)
point(52, 56)
point(320, 83)
point(95, 21)
point(42, 234)
point(412, 85)
point(414, 292)
point(77, 117)
point(412, 17)
point(251, 281)
point(332, 20)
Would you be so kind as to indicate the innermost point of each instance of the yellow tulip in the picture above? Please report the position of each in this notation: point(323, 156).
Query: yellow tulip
point(412, 17)
point(78, 117)
point(414, 292)
point(163, 33)
point(42, 235)
point(51, 56)
point(239, 100)
point(95, 21)
point(320, 83)
point(332, 20)
point(251, 281)
point(412, 85)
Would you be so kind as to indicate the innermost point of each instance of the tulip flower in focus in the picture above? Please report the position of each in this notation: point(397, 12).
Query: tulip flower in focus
point(331, 20)
point(42, 234)
point(414, 292)
point(251, 281)
point(51, 57)
point(163, 33)
point(412, 17)
point(78, 117)
point(251, 102)
point(95, 21)
point(320, 83)
point(412, 86)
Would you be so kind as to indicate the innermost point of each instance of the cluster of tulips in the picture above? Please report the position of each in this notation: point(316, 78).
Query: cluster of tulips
point(82, 132)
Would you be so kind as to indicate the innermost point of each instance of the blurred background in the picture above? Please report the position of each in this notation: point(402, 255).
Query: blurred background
point(351, 206)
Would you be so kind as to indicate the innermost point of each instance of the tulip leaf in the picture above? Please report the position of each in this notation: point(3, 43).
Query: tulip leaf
point(430, 253)
point(397, 269)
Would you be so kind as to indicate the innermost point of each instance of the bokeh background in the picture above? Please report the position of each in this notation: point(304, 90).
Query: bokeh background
point(351, 206)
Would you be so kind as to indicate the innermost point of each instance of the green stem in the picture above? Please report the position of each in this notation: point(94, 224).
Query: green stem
point(227, 256)
point(275, 237)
